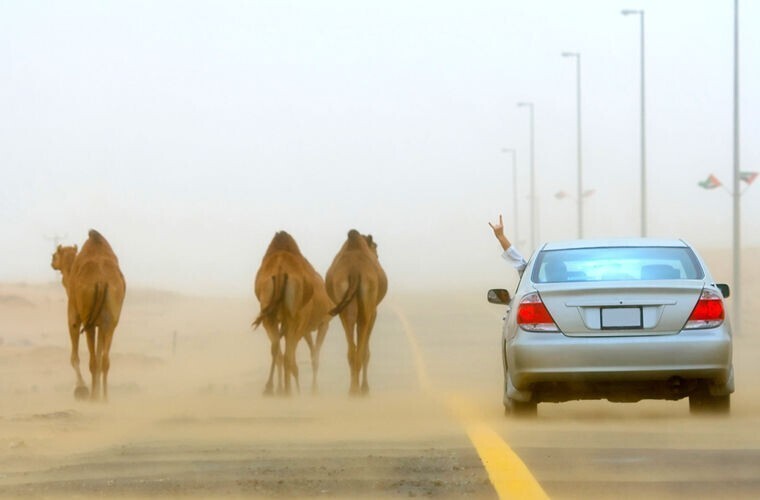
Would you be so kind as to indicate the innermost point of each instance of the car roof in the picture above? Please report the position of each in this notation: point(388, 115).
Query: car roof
point(614, 242)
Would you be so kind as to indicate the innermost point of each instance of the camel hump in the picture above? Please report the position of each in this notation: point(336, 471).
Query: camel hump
point(97, 244)
point(96, 236)
point(283, 242)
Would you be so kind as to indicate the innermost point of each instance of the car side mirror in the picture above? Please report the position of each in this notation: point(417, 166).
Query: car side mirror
point(499, 296)
point(724, 290)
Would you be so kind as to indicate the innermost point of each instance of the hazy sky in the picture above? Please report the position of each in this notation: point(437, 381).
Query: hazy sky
point(188, 132)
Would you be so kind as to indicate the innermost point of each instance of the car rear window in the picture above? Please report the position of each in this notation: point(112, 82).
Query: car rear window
point(616, 263)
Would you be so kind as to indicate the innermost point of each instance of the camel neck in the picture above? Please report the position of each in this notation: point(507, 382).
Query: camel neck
point(66, 272)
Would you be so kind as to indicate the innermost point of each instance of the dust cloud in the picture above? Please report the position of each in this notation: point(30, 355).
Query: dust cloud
point(185, 384)
point(187, 418)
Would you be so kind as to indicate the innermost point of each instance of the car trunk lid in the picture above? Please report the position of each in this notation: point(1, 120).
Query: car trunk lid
point(621, 308)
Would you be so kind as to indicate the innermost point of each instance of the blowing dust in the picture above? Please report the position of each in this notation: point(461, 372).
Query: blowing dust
point(186, 404)
point(185, 395)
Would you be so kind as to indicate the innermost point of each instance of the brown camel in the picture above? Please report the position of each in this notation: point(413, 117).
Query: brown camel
point(95, 288)
point(293, 304)
point(357, 283)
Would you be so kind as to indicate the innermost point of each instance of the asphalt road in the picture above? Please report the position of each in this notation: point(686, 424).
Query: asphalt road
point(196, 425)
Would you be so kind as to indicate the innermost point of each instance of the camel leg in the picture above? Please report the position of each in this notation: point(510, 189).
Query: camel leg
point(314, 361)
point(273, 334)
point(105, 337)
point(321, 333)
point(80, 392)
point(94, 364)
point(353, 365)
point(363, 349)
point(282, 370)
point(275, 352)
point(291, 367)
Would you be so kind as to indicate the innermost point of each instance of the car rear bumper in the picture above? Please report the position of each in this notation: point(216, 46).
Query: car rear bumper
point(662, 366)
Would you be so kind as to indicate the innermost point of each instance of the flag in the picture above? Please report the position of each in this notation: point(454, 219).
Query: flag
point(560, 195)
point(748, 177)
point(710, 183)
point(589, 192)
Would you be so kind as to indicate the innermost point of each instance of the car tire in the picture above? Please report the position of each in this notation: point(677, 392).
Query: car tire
point(703, 403)
point(521, 409)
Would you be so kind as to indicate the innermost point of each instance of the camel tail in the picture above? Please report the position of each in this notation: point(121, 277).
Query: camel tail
point(279, 283)
point(98, 301)
point(353, 287)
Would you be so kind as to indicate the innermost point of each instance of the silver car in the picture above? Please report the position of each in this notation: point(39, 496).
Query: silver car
point(621, 320)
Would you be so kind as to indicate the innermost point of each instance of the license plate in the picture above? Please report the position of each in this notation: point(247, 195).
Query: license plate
point(621, 318)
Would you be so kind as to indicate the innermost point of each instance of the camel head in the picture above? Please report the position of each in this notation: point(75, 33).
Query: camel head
point(283, 242)
point(63, 258)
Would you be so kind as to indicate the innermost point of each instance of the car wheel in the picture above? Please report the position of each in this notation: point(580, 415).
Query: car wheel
point(702, 403)
point(521, 409)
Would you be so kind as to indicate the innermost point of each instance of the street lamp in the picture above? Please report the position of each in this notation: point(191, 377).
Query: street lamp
point(737, 174)
point(533, 231)
point(577, 57)
point(514, 191)
point(640, 13)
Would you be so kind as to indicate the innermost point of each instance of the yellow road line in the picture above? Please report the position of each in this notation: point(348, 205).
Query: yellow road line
point(509, 476)
point(419, 362)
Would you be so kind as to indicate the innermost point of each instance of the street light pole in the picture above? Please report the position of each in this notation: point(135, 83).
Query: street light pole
point(533, 223)
point(640, 13)
point(514, 193)
point(579, 195)
point(736, 200)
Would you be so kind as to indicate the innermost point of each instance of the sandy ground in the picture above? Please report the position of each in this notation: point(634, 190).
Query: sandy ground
point(186, 417)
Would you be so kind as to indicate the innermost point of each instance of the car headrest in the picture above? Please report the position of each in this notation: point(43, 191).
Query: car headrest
point(556, 271)
point(659, 272)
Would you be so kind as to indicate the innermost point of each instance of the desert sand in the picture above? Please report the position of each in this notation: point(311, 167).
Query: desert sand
point(187, 419)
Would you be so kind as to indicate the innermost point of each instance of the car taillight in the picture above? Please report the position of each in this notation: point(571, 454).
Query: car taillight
point(708, 313)
point(533, 316)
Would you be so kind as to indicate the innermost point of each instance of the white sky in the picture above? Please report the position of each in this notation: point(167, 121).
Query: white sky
point(188, 132)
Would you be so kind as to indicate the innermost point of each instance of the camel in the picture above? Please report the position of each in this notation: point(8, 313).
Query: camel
point(357, 284)
point(294, 303)
point(95, 288)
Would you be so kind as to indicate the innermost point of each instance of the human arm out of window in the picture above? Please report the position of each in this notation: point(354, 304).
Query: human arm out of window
point(514, 257)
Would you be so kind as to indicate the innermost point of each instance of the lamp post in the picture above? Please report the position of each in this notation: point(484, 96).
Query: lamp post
point(640, 13)
point(736, 205)
point(533, 231)
point(514, 191)
point(579, 195)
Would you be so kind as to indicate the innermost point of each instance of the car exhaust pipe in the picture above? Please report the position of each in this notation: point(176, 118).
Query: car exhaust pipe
point(676, 386)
